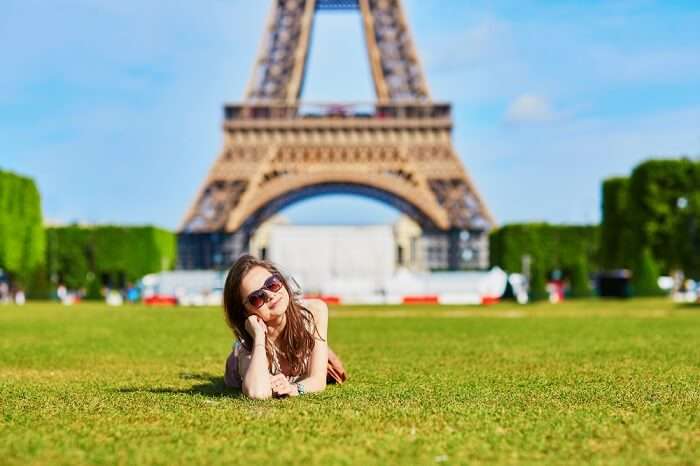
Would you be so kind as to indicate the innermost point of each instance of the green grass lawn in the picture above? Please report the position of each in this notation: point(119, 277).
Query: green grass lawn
point(584, 382)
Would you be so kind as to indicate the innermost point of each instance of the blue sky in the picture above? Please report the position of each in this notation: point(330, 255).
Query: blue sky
point(114, 107)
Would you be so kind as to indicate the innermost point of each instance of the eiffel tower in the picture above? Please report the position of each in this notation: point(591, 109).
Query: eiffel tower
point(279, 150)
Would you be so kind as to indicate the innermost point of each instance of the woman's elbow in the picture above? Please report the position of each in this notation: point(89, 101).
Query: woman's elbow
point(256, 394)
point(321, 383)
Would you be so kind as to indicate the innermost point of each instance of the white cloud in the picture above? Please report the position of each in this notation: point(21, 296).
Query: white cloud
point(529, 108)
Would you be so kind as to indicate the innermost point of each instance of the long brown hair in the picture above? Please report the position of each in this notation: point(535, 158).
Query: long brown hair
point(296, 340)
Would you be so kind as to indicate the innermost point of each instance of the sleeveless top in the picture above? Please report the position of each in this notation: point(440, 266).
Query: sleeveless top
point(232, 373)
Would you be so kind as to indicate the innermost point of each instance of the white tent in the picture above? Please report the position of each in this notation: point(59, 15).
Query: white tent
point(334, 258)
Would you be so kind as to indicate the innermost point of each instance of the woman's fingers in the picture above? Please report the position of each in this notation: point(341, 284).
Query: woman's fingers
point(280, 385)
point(276, 383)
point(261, 324)
point(283, 390)
point(277, 379)
point(255, 325)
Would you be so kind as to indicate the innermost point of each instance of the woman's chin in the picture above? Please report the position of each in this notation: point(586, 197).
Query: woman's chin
point(278, 308)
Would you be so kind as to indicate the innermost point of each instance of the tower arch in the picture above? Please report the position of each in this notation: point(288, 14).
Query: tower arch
point(278, 149)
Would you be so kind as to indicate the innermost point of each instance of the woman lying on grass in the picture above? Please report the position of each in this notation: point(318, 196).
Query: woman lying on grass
point(282, 340)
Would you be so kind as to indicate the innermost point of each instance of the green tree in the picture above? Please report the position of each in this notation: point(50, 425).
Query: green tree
point(38, 285)
point(68, 255)
point(124, 254)
point(687, 233)
point(551, 246)
point(645, 275)
point(615, 234)
point(93, 290)
point(580, 280)
point(538, 282)
point(22, 240)
point(658, 192)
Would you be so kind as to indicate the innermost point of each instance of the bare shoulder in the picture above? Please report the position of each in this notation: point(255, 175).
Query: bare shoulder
point(318, 308)
point(319, 311)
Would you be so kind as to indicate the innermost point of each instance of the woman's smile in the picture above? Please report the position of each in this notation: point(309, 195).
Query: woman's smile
point(274, 303)
point(272, 327)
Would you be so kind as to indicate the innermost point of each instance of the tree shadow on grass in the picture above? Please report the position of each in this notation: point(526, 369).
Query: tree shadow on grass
point(211, 386)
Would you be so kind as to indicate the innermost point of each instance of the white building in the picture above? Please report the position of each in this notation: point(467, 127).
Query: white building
point(369, 264)
point(318, 256)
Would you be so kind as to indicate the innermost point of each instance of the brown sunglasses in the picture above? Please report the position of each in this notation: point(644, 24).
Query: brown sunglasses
point(260, 296)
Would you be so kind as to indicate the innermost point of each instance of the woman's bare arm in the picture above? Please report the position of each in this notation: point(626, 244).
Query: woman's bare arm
point(254, 366)
point(316, 381)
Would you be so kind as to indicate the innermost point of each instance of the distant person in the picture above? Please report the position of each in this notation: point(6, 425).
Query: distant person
point(133, 294)
point(282, 339)
point(61, 292)
point(4, 292)
point(20, 298)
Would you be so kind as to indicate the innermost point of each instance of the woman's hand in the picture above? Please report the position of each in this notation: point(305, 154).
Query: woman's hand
point(281, 386)
point(256, 327)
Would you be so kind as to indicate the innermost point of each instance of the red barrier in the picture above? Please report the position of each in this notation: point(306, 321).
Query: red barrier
point(488, 300)
point(421, 299)
point(328, 299)
point(160, 300)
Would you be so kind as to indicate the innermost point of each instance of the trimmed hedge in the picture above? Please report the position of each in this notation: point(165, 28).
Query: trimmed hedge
point(687, 232)
point(645, 275)
point(657, 207)
point(33, 256)
point(22, 240)
point(113, 254)
point(580, 279)
point(655, 210)
point(550, 246)
point(538, 283)
point(68, 258)
point(615, 234)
